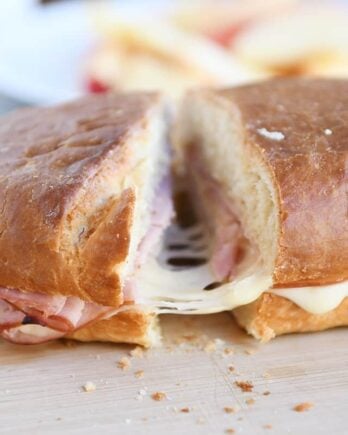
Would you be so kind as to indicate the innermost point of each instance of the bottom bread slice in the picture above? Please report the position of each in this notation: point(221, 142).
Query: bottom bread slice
point(271, 315)
point(136, 327)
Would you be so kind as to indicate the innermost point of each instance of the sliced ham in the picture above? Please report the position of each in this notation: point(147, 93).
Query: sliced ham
point(30, 334)
point(9, 316)
point(227, 235)
point(53, 315)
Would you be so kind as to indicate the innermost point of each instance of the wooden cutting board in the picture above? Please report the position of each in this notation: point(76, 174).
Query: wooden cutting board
point(41, 387)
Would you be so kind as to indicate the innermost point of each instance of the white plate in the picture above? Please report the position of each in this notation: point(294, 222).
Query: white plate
point(43, 48)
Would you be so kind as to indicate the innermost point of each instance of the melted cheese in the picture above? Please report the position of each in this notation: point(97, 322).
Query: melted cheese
point(318, 299)
point(181, 291)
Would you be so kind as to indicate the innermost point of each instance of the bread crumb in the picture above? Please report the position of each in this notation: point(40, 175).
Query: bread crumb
point(137, 352)
point(228, 351)
point(250, 401)
point(266, 393)
point(189, 337)
point(302, 407)
point(245, 386)
point(89, 387)
point(158, 396)
point(267, 426)
point(70, 343)
point(328, 131)
point(139, 374)
point(230, 430)
point(231, 369)
point(273, 135)
point(250, 351)
point(185, 410)
point(210, 347)
point(266, 375)
point(124, 363)
point(230, 410)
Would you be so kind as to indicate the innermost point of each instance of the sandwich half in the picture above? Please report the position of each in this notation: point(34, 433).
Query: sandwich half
point(85, 198)
point(268, 170)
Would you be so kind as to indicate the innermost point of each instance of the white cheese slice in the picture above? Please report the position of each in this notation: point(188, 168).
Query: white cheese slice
point(316, 299)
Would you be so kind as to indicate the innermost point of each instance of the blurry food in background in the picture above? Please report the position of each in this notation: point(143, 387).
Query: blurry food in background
point(219, 43)
point(223, 20)
point(310, 39)
point(152, 55)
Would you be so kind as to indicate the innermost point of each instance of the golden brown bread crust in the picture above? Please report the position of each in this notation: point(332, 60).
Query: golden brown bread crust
point(271, 315)
point(61, 232)
point(310, 170)
point(126, 327)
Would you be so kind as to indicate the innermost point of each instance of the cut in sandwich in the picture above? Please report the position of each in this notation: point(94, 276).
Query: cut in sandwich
point(268, 165)
point(85, 197)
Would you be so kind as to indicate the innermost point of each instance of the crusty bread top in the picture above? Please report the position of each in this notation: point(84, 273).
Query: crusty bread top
point(307, 155)
point(61, 232)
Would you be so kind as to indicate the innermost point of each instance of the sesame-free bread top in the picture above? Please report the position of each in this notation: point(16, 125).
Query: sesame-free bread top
point(279, 150)
point(308, 157)
point(67, 197)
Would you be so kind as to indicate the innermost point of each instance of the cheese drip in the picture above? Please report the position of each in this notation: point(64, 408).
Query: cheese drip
point(182, 291)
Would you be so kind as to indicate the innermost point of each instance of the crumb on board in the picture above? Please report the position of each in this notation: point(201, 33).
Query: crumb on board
point(230, 409)
point(158, 396)
point(302, 407)
point(266, 375)
point(70, 343)
point(89, 387)
point(190, 337)
point(245, 386)
point(200, 420)
point(228, 351)
point(266, 393)
point(250, 351)
point(124, 363)
point(137, 352)
point(231, 369)
point(229, 431)
point(250, 401)
point(210, 347)
point(185, 410)
point(267, 426)
point(139, 374)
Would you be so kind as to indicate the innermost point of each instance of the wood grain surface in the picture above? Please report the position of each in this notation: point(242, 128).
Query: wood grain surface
point(41, 387)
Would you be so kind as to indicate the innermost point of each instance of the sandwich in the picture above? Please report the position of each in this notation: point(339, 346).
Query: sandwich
point(88, 248)
point(268, 170)
point(85, 197)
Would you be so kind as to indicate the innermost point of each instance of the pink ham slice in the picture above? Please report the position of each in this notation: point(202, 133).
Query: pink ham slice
point(57, 315)
point(227, 234)
point(18, 335)
point(9, 316)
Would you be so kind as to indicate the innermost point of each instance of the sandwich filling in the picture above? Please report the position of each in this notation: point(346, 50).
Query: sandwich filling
point(198, 269)
point(31, 318)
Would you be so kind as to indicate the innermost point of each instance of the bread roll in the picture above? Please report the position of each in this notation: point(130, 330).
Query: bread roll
point(278, 152)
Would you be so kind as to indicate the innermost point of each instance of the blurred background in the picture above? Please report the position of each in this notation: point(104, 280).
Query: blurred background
point(53, 51)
